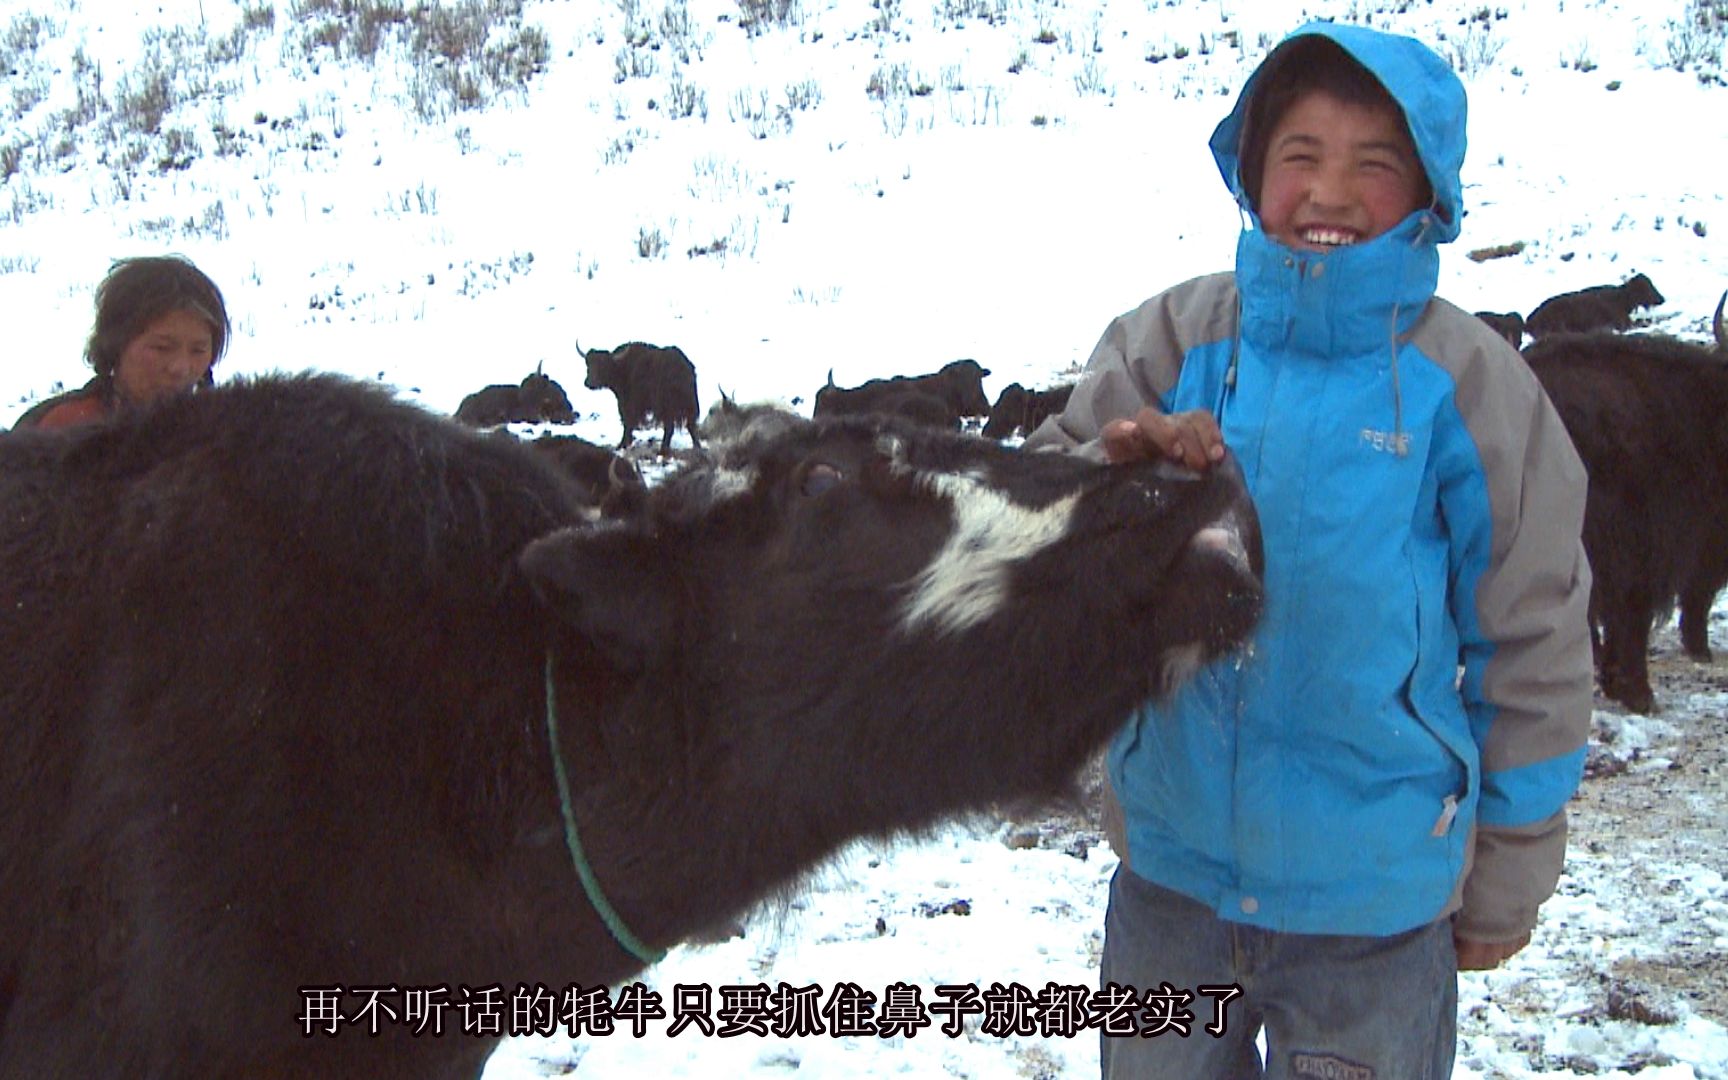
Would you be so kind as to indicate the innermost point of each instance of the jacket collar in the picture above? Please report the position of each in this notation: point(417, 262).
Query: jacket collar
point(1346, 302)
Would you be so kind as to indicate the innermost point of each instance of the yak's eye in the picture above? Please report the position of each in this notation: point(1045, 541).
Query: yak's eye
point(819, 478)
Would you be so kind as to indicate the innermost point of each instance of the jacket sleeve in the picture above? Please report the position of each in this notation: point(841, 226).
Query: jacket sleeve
point(1521, 588)
point(1137, 361)
point(1105, 391)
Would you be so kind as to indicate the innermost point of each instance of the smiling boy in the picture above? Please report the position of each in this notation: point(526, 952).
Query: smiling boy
point(1374, 795)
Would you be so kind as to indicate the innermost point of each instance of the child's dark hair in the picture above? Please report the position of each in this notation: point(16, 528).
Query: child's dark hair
point(139, 291)
point(1294, 69)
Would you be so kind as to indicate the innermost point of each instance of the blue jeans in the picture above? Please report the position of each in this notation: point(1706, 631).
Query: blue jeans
point(1333, 1007)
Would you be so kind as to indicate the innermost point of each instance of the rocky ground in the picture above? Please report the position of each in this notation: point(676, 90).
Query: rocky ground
point(1654, 805)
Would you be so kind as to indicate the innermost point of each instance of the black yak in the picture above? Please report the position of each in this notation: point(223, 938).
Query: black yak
point(609, 481)
point(1508, 324)
point(651, 382)
point(1019, 410)
point(958, 386)
point(1649, 416)
point(1599, 307)
point(317, 701)
point(727, 420)
point(537, 399)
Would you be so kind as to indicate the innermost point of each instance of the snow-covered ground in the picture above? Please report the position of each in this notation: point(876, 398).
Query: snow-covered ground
point(877, 187)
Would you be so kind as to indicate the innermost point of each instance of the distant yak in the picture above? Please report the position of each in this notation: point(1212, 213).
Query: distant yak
point(537, 399)
point(1649, 416)
point(1508, 324)
point(727, 421)
point(1599, 307)
point(944, 398)
point(651, 382)
point(1018, 409)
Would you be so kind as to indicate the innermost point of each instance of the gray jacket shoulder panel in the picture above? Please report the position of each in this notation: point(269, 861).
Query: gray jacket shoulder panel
point(1532, 604)
point(1138, 359)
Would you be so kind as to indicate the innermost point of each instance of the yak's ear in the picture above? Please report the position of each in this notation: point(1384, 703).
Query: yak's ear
point(611, 585)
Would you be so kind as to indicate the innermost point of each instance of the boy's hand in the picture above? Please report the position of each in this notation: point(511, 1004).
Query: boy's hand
point(1484, 955)
point(1188, 438)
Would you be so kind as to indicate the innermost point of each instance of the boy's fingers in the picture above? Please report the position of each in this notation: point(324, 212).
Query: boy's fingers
point(1204, 427)
point(1190, 439)
point(1125, 441)
point(1190, 449)
point(1199, 442)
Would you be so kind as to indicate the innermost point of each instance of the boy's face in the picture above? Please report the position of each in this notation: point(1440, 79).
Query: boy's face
point(1337, 173)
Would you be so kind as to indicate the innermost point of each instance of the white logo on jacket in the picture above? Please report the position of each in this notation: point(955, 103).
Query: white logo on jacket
point(1386, 441)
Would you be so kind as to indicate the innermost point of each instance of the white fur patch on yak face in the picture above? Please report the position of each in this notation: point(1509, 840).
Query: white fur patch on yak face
point(726, 483)
point(967, 581)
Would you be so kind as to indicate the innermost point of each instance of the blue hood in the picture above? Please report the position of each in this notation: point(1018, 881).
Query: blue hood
point(1424, 87)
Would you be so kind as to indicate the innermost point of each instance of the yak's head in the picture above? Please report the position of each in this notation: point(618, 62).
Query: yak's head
point(542, 397)
point(605, 369)
point(887, 572)
point(1009, 412)
point(1642, 292)
point(966, 387)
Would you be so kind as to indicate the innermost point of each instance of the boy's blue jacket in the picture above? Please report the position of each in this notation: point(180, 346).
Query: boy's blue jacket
point(1401, 739)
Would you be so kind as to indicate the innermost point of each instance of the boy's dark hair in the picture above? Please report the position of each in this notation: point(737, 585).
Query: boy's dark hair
point(139, 291)
point(1290, 71)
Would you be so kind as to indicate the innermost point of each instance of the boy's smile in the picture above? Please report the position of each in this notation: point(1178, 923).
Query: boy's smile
point(1337, 173)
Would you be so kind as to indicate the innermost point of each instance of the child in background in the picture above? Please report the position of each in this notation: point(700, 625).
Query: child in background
point(161, 325)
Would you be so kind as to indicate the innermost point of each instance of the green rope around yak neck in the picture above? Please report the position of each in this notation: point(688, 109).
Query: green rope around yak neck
point(590, 884)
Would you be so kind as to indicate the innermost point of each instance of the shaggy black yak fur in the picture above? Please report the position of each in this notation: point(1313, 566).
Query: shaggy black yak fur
point(609, 481)
point(279, 658)
point(1649, 416)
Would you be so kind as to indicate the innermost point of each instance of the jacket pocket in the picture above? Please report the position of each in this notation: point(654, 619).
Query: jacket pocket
point(1433, 699)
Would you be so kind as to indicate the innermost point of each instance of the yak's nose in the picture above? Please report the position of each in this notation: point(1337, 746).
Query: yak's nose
point(1227, 537)
point(1236, 532)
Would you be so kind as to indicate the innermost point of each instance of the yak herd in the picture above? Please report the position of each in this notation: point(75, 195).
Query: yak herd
point(282, 654)
point(333, 724)
point(1647, 412)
